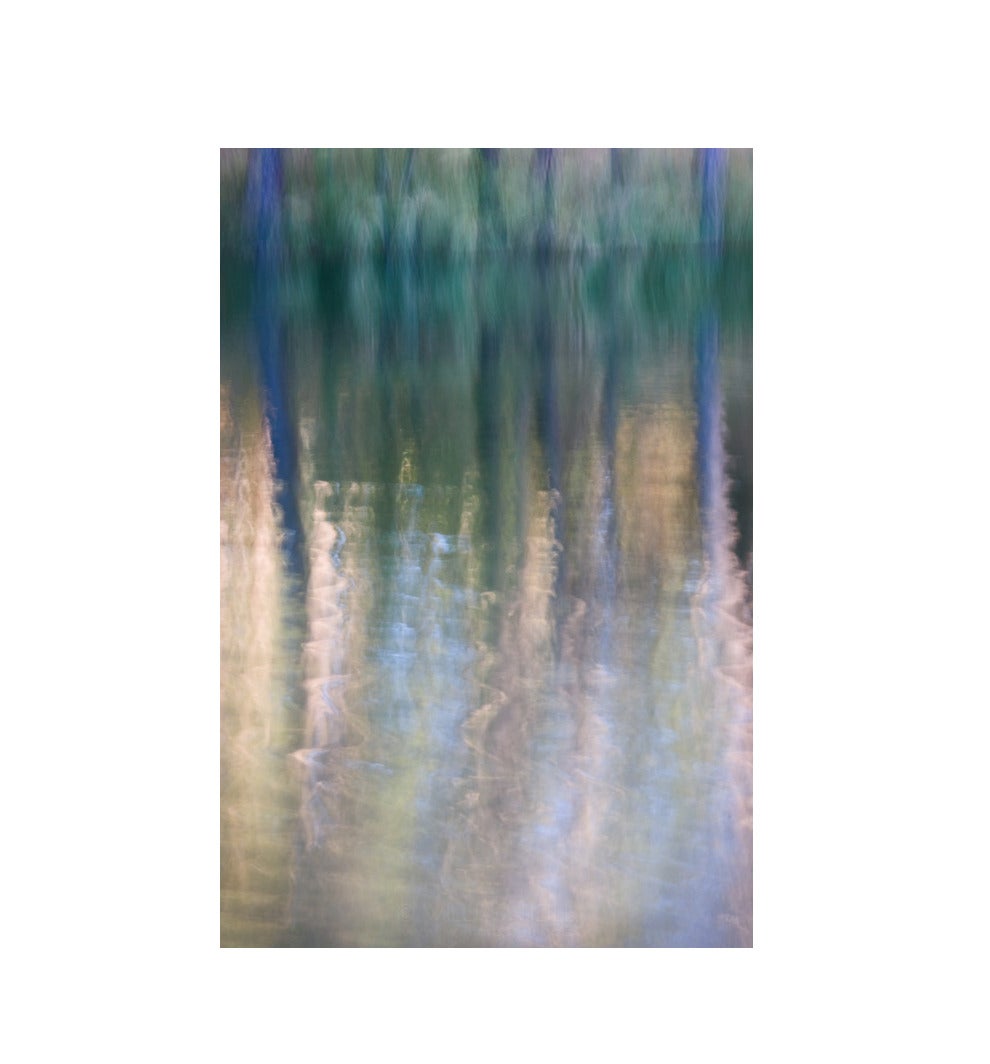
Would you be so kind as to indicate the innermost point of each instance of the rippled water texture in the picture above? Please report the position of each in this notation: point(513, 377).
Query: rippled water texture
point(486, 614)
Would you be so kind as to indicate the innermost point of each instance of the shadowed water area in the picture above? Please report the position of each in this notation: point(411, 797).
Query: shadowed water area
point(486, 586)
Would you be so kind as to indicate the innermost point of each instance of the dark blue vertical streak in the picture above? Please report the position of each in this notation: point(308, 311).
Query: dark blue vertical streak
point(264, 189)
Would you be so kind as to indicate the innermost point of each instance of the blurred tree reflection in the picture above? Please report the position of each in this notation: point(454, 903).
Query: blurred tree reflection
point(511, 703)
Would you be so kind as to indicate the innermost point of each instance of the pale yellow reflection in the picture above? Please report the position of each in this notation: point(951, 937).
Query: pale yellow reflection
point(324, 668)
point(255, 802)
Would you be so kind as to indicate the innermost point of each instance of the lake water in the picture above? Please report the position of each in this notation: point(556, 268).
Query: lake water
point(486, 610)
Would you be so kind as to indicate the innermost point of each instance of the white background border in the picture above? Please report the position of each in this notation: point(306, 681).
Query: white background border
point(870, 352)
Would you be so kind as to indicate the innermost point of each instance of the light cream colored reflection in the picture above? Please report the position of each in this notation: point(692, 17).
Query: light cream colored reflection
point(255, 843)
point(722, 621)
point(583, 914)
point(331, 725)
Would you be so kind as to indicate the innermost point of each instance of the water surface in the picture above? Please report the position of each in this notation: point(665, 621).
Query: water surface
point(486, 591)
